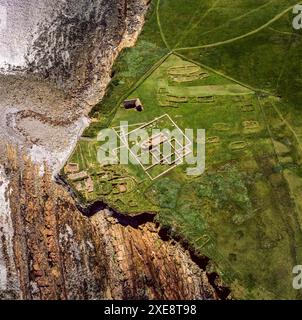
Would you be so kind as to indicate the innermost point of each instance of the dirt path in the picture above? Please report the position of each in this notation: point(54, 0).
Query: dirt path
point(160, 26)
point(239, 17)
point(277, 17)
point(196, 24)
point(288, 125)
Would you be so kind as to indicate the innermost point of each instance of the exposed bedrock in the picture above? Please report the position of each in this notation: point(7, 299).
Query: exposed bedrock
point(55, 62)
point(55, 59)
point(70, 48)
point(71, 42)
point(49, 250)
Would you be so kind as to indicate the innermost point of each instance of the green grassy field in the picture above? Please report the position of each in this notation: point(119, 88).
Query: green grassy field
point(245, 211)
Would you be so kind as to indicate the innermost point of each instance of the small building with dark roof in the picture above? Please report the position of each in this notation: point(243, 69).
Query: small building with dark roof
point(133, 104)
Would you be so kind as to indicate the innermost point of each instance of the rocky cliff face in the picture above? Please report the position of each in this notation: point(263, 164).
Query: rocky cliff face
point(20, 21)
point(69, 42)
point(64, 49)
point(56, 63)
point(144, 266)
point(56, 60)
point(49, 250)
point(9, 281)
point(57, 253)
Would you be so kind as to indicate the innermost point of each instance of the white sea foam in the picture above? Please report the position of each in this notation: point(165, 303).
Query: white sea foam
point(20, 22)
point(6, 238)
point(56, 159)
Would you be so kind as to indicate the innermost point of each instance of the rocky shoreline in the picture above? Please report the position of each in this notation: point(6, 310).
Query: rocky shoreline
point(64, 73)
point(57, 253)
point(50, 250)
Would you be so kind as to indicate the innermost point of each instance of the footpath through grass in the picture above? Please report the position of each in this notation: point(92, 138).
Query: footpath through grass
point(244, 212)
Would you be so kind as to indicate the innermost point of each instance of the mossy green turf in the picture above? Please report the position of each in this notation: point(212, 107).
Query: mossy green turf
point(244, 212)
